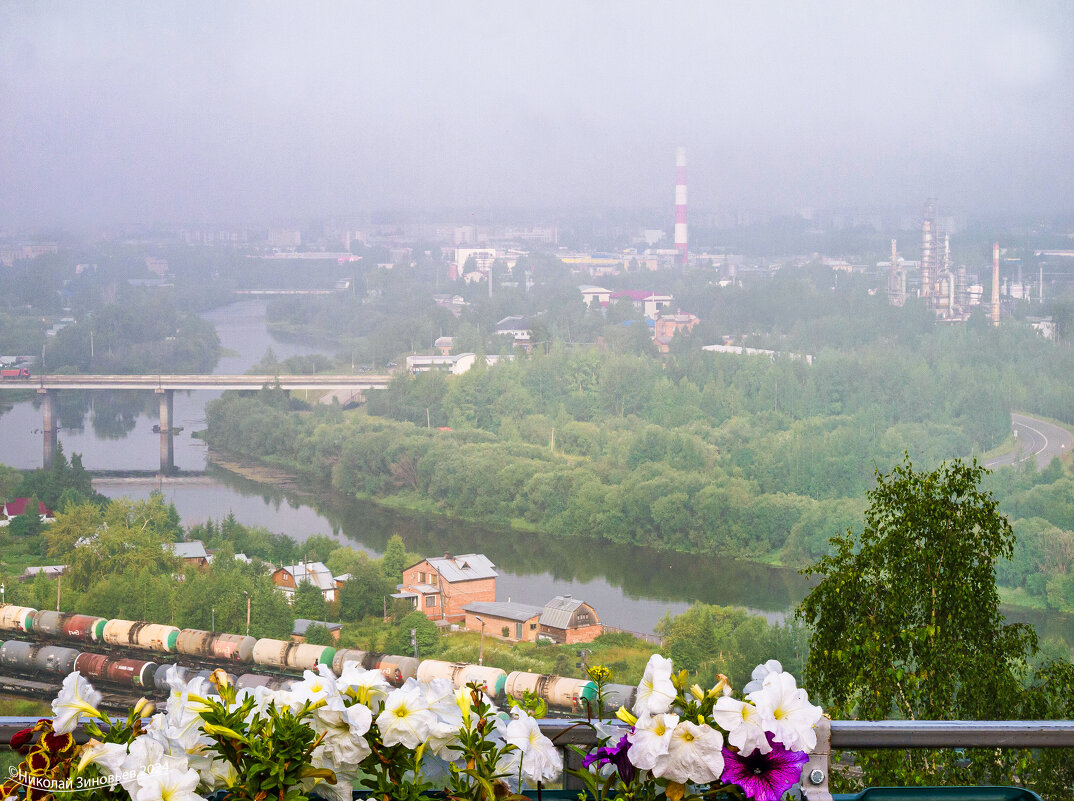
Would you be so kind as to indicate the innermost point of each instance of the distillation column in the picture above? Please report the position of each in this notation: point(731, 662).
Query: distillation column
point(927, 250)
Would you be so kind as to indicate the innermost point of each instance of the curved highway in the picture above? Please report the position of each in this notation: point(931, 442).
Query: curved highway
point(1034, 439)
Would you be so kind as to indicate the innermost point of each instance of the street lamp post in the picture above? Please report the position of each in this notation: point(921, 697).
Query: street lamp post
point(214, 618)
point(247, 612)
point(481, 642)
point(3, 594)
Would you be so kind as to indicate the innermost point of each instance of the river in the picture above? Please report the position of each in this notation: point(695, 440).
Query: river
point(630, 587)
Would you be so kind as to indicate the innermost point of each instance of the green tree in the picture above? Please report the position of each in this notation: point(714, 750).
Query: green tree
point(906, 619)
point(394, 559)
point(319, 635)
point(365, 593)
point(309, 602)
point(425, 630)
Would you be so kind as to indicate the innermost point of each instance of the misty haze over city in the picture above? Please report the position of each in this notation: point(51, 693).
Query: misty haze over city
point(143, 112)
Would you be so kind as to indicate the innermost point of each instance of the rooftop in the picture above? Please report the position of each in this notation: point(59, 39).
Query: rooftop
point(466, 567)
point(503, 609)
point(314, 572)
point(557, 613)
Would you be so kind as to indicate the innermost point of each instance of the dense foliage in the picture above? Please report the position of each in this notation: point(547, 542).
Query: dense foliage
point(146, 333)
point(906, 623)
point(708, 452)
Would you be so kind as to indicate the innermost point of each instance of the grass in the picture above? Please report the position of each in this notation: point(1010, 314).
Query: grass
point(1018, 597)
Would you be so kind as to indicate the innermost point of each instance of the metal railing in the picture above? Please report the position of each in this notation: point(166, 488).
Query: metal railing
point(831, 735)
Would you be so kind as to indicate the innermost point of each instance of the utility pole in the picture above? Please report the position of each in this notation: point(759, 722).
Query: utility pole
point(414, 641)
point(481, 642)
point(247, 612)
point(59, 580)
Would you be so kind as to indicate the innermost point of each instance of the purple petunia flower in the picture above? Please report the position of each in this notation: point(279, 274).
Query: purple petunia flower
point(764, 777)
point(614, 755)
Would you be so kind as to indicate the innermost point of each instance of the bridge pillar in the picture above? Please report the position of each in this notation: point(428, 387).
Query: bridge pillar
point(167, 443)
point(49, 413)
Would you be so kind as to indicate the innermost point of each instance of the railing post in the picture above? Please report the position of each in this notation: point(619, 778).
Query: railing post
point(815, 772)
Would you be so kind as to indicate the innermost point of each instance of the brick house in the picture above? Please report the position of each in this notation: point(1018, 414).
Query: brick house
point(565, 619)
point(440, 587)
point(505, 620)
point(666, 325)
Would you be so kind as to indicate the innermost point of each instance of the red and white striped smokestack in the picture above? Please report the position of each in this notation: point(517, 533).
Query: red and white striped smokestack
point(680, 205)
point(995, 283)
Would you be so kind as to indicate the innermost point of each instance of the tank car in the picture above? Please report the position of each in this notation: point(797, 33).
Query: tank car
point(160, 678)
point(617, 695)
point(462, 673)
point(292, 655)
point(16, 618)
point(140, 634)
point(70, 625)
point(559, 692)
point(215, 645)
point(397, 669)
point(250, 680)
point(365, 659)
point(128, 672)
point(34, 658)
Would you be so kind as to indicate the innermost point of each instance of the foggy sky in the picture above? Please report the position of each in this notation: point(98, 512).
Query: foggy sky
point(238, 111)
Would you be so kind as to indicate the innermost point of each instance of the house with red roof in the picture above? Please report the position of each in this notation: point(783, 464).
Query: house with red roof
point(18, 507)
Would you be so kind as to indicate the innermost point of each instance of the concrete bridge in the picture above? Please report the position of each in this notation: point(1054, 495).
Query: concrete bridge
point(48, 386)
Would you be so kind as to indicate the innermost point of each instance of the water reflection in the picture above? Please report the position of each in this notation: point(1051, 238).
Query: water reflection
point(641, 573)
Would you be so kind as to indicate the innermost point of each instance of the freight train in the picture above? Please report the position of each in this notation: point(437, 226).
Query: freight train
point(561, 693)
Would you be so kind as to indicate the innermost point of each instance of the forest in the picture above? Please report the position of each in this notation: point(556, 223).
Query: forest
point(704, 452)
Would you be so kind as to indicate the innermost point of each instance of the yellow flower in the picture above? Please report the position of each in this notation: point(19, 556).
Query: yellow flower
point(624, 715)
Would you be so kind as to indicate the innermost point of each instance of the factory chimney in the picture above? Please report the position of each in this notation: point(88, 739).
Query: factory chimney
point(995, 283)
point(680, 205)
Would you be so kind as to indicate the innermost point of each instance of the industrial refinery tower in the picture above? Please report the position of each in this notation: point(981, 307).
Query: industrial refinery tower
point(680, 205)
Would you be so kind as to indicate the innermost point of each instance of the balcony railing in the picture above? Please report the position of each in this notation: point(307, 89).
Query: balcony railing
point(831, 735)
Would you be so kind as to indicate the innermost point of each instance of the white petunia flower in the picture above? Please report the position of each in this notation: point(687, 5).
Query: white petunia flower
point(315, 686)
point(143, 754)
point(656, 692)
point(744, 724)
point(77, 697)
point(787, 712)
point(540, 760)
point(171, 779)
point(369, 686)
point(406, 718)
point(650, 739)
point(344, 727)
point(108, 757)
point(695, 754)
point(760, 673)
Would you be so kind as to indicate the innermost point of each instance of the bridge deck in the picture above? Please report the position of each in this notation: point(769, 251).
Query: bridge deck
point(191, 382)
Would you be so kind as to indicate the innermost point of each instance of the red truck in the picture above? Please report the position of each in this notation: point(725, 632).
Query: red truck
point(14, 372)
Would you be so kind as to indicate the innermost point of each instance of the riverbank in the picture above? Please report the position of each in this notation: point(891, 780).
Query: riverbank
point(523, 549)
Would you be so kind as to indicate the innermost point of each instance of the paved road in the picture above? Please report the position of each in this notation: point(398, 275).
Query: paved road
point(1034, 439)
